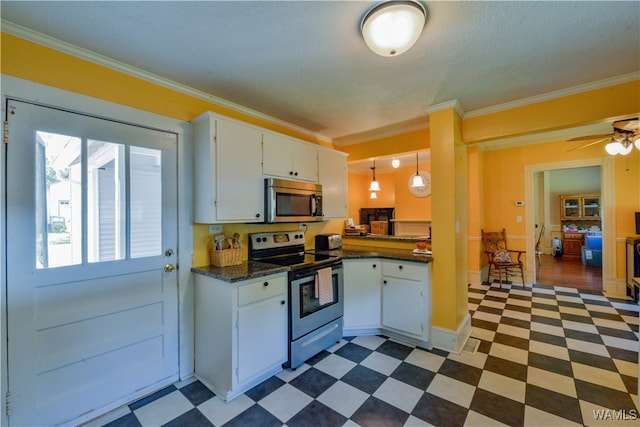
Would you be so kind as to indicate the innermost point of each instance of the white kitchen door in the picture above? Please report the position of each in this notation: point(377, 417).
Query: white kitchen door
point(91, 253)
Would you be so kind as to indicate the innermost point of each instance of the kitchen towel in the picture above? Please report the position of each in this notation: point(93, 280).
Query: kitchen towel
point(324, 286)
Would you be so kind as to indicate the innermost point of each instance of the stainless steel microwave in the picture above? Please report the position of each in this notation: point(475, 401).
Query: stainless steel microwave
point(292, 201)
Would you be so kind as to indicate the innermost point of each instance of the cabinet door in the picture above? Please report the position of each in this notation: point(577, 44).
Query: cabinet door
point(591, 207)
point(288, 158)
point(262, 336)
point(239, 183)
point(332, 175)
point(571, 207)
point(362, 294)
point(402, 305)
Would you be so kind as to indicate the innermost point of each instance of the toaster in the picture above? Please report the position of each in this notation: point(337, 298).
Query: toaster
point(328, 242)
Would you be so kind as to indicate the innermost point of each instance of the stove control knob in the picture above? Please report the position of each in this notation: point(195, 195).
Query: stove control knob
point(266, 284)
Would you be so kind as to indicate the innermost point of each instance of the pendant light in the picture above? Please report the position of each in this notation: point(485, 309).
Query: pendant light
point(395, 163)
point(375, 185)
point(417, 179)
point(373, 195)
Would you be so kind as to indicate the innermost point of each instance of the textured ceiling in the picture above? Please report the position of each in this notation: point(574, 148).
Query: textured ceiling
point(304, 62)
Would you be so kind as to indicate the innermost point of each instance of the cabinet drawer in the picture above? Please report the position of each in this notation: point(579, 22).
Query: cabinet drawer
point(265, 287)
point(573, 236)
point(404, 270)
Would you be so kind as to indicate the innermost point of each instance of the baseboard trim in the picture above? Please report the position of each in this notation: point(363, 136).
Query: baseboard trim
point(449, 340)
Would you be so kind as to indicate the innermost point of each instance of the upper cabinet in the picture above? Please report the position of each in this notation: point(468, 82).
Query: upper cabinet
point(228, 181)
point(289, 158)
point(581, 207)
point(232, 158)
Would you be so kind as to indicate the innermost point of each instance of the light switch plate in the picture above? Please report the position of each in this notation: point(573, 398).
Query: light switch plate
point(215, 228)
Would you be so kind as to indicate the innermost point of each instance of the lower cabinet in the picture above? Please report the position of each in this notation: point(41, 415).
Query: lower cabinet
point(362, 296)
point(241, 332)
point(406, 299)
point(387, 296)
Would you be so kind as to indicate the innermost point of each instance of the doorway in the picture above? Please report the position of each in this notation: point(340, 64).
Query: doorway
point(536, 188)
point(91, 235)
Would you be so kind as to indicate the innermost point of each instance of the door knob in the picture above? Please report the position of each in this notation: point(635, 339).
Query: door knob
point(169, 268)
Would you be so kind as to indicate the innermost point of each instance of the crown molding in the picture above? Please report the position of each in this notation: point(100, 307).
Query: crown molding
point(600, 84)
point(446, 106)
point(79, 52)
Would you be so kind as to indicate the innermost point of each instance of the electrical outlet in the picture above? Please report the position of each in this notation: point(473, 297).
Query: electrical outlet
point(302, 226)
point(215, 229)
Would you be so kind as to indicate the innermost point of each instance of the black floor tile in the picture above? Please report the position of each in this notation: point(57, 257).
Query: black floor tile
point(265, 388)
point(317, 358)
point(256, 415)
point(518, 308)
point(461, 372)
point(548, 338)
point(128, 420)
point(506, 367)
point(511, 341)
point(439, 412)
point(622, 354)
point(490, 310)
point(316, 414)
point(583, 336)
point(413, 375)
point(546, 320)
point(548, 363)
point(197, 393)
point(554, 403)
point(606, 316)
point(364, 379)
point(375, 412)
point(479, 323)
point(576, 318)
point(313, 382)
point(618, 333)
point(500, 408)
point(571, 304)
point(192, 418)
point(592, 360)
point(395, 350)
point(607, 397)
point(157, 395)
point(354, 352)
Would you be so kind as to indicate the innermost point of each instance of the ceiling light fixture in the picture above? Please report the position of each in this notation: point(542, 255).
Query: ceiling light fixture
point(375, 185)
point(622, 143)
point(391, 28)
point(395, 163)
point(417, 179)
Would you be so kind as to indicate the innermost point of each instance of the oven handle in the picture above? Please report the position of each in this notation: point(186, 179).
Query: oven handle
point(297, 275)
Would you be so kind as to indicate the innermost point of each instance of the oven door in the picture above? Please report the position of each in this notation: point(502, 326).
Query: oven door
point(307, 312)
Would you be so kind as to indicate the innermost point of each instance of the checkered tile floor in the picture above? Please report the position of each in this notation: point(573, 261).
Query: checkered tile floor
point(547, 356)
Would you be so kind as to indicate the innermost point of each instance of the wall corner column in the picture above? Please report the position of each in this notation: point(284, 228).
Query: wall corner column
point(451, 319)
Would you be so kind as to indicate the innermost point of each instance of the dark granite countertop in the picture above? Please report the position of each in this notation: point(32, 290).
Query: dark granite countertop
point(354, 252)
point(245, 271)
point(252, 269)
point(383, 237)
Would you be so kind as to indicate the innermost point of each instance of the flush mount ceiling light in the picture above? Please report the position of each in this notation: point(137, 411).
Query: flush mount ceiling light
point(395, 163)
point(391, 28)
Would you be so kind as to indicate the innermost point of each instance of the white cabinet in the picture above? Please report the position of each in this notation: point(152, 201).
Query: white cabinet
point(228, 184)
point(332, 175)
point(241, 332)
point(406, 298)
point(362, 296)
point(289, 158)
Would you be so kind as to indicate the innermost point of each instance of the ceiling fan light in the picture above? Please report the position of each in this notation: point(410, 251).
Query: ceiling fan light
point(625, 149)
point(613, 148)
point(391, 28)
point(417, 181)
point(637, 142)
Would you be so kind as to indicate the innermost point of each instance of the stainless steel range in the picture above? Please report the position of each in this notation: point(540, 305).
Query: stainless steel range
point(315, 292)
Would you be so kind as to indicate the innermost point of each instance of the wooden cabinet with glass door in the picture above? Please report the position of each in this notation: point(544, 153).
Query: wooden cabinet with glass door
point(582, 207)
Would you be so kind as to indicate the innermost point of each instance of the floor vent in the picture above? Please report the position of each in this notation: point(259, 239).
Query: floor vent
point(471, 346)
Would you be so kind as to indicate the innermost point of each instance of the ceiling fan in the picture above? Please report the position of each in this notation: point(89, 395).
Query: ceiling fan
point(626, 134)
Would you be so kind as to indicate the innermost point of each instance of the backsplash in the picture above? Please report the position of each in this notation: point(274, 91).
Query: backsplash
point(202, 238)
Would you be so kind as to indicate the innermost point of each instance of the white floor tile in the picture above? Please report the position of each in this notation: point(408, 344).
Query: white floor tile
point(588, 347)
point(509, 353)
point(369, 341)
point(548, 350)
point(335, 366)
point(503, 386)
point(477, 360)
point(547, 329)
point(426, 360)
point(164, 409)
point(575, 311)
point(627, 368)
point(513, 331)
point(285, 402)
point(545, 313)
point(289, 374)
point(489, 317)
point(343, 398)
point(399, 394)
point(381, 363)
point(475, 419)
point(579, 326)
point(620, 343)
point(415, 422)
point(514, 314)
point(483, 334)
point(534, 417)
point(551, 381)
point(598, 376)
point(219, 412)
point(452, 390)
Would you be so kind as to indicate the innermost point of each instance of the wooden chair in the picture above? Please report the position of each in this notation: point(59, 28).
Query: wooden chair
point(501, 259)
point(538, 249)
